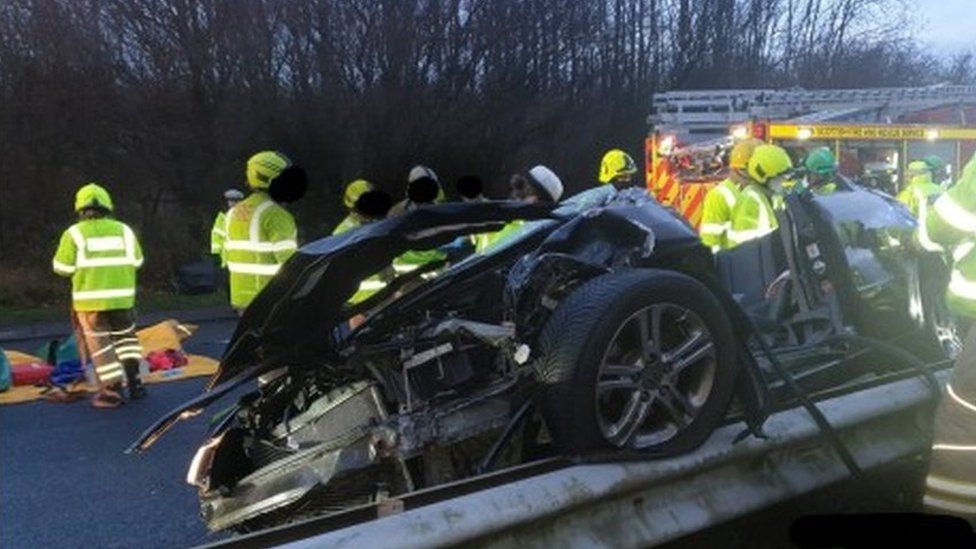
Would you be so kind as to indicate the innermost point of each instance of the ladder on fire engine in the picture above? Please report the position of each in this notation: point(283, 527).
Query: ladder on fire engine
point(713, 111)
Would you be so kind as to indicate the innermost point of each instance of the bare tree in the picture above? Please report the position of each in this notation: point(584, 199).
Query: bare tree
point(163, 100)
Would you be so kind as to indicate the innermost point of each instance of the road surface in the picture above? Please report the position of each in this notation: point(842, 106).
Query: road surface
point(64, 481)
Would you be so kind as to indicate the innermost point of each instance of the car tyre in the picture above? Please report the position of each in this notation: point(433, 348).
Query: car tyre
point(643, 360)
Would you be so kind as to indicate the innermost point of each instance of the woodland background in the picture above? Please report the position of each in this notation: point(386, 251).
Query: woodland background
point(162, 101)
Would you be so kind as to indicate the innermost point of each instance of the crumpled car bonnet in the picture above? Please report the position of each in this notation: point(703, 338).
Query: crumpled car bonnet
point(305, 301)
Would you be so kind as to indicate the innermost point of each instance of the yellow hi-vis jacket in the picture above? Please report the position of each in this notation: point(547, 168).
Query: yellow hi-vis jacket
point(485, 241)
point(261, 235)
point(717, 215)
point(412, 260)
point(218, 233)
point(950, 486)
point(101, 256)
point(348, 223)
point(372, 284)
point(917, 193)
point(951, 221)
point(753, 216)
point(919, 196)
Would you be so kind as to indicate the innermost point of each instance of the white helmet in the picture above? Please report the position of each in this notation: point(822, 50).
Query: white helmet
point(545, 180)
point(420, 171)
point(233, 194)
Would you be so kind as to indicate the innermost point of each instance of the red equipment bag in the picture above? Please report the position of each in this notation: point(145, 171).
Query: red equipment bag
point(31, 374)
point(166, 360)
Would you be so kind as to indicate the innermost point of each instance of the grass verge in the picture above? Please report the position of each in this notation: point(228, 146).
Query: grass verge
point(147, 301)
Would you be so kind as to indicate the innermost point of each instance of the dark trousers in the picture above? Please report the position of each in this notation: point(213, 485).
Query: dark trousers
point(950, 487)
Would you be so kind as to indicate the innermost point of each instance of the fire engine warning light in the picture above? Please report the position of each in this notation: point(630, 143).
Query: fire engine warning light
point(667, 144)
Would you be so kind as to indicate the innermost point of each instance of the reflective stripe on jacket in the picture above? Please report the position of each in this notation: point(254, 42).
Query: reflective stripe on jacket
point(261, 236)
point(717, 215)
point(753, 216)
point(921, 235)
point(101, 256)
point(370, 285)
point(950, 486)
point(414, 259)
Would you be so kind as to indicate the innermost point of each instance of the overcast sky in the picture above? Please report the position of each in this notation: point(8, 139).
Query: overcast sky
point(950, 25)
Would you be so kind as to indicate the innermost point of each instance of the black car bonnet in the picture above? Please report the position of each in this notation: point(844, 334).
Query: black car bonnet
point(306, 299)
point(294, 318)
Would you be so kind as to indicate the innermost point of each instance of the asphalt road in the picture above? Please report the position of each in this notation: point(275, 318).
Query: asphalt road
point(65, 482)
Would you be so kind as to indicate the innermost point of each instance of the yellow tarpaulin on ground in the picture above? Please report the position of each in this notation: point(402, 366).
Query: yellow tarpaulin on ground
point(168, 334)
point(16, 358)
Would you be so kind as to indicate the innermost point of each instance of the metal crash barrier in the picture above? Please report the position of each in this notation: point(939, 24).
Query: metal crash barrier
point(635, 504)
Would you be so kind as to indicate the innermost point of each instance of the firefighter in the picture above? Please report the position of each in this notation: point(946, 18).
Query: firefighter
point(721, 199)
point(950, 486)
point(754, 217)
point(354, 218)
point(366, 204)
point(940, 175)
point(423, 189)
point(101, 255)
point(471, 189)
point(617, 168)
point(261, 234)
point(540, 184)
point(821, 166)
point(218, 232)
point(920, 187)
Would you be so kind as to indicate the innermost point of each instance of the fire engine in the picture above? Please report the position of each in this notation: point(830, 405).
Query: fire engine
point(874, 133)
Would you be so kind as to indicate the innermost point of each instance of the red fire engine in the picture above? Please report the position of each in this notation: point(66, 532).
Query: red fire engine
point(874, 133)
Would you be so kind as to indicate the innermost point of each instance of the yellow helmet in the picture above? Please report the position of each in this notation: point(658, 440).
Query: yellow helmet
point(264, 166)
point(92, 195)
point(354, 190)
point(767, 162)
point(918, 167)
point(742, 152)
point(616, 163)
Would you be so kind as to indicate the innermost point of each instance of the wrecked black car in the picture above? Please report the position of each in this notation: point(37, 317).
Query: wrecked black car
point(602, 327)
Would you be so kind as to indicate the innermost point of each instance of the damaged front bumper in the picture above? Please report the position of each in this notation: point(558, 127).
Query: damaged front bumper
point(350, 470)
point(285, 482)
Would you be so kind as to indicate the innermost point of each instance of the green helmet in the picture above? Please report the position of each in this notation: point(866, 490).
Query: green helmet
point(93, 195)
point(264, 166)
point(821, 161)
point(936, 163)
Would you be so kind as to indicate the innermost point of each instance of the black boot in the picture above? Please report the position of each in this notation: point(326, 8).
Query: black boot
point(136, 390)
